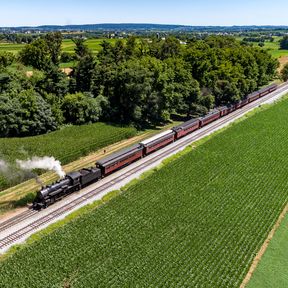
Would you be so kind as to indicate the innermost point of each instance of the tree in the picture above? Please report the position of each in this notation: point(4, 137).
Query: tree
point(36, 55)
point(284, 73)
point(284, 43)
point(81, 108)
point(25, 114)
point(54, 82)
point(84, 72)
point(81, 49)
point(67, 57)
point(6, 59)
point(54, 42)
point(170, 48)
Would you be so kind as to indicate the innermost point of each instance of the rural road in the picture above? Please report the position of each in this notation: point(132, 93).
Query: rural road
point(20, 227)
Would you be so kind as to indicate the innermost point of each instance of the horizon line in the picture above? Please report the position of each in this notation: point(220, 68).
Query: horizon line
point(142, 23)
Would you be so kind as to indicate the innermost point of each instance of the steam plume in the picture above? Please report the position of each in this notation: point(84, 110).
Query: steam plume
point(3, 166)
point(46, 163)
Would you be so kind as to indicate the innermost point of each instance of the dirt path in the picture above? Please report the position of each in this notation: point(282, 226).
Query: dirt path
point(263, 248)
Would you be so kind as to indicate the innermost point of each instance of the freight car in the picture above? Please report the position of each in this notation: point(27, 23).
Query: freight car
point(76, 180)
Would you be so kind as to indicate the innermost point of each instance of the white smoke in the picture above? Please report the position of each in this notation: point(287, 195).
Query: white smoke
point(45, 163)
point(3, 166)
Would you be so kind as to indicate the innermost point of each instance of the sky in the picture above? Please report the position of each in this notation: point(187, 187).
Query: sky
point(185, 12)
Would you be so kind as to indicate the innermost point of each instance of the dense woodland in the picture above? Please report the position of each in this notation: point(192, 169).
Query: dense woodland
point(136, 82)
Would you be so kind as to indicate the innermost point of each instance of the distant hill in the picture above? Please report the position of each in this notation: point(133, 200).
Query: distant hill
point(143, 27)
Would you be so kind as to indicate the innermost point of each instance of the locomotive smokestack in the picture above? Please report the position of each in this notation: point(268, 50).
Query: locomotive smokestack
point(45, 163)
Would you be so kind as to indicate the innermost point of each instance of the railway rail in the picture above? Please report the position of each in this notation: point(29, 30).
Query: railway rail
point(27, 230)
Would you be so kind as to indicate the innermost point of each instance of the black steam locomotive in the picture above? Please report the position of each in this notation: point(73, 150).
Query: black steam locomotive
point(77, 180)
point(72, 182)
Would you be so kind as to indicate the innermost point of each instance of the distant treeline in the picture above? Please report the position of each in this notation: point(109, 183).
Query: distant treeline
point(134, 82)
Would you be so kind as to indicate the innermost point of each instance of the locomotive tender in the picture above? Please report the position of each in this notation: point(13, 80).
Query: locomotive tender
point(75, 181)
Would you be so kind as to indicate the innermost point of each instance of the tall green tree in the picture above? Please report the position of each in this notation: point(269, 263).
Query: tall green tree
point(284, 73)
point(54, 42)
point(81, 49)
point(36, 55)
point(284, 43)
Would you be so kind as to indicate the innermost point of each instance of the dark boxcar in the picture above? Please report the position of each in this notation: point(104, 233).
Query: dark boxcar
point(253, 96)
point(214, 115)
point(90, 175)
point(120, 159)
point(186, 128)
point(158, 141)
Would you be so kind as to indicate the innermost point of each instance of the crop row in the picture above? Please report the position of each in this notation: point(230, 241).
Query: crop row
point(197, 222)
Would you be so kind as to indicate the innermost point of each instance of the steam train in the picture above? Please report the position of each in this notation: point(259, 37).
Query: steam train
point(77, 180)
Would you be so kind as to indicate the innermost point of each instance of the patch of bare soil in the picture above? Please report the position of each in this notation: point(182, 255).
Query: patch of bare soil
point(67, 71)
point(29, 74)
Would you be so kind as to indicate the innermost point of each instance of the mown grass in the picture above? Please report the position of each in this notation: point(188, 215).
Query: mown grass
point(67, 144)
point(272, 270)
point(197, 222)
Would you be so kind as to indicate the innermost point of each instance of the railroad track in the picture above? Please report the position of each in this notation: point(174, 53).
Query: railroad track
point(16, 219)
point(180, 144)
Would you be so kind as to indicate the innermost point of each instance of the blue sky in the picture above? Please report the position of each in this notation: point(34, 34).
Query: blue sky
point(193, 12)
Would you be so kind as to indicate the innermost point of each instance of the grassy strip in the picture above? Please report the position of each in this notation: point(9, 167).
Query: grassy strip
point(67, 144)
point(272, 270)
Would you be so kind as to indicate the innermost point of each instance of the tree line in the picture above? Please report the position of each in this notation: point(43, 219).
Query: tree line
point(136, 82)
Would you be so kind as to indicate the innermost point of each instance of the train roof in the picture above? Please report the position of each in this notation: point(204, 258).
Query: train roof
point(222, 108)
point(156, 137)
point(267, 88)
point(211, 113)
point(253, 94)
point(186, 123)
point(120, 153)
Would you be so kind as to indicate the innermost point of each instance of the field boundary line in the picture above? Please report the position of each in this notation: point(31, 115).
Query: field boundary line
point(263, 248)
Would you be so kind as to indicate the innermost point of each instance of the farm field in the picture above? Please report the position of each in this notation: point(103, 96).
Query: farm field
point(67, 45)
point(66, 144)
point(272, 47)
point(272, 270)
point(198, 221)
point(93, 44)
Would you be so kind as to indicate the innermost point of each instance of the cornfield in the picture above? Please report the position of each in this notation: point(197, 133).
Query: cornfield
point(197, 222)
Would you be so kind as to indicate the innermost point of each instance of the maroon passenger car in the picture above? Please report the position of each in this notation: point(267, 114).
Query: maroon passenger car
point(186, 128)
point(119, 159)
point(214, 115)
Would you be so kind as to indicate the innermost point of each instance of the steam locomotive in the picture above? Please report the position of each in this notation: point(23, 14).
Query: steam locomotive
point(77, 180)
